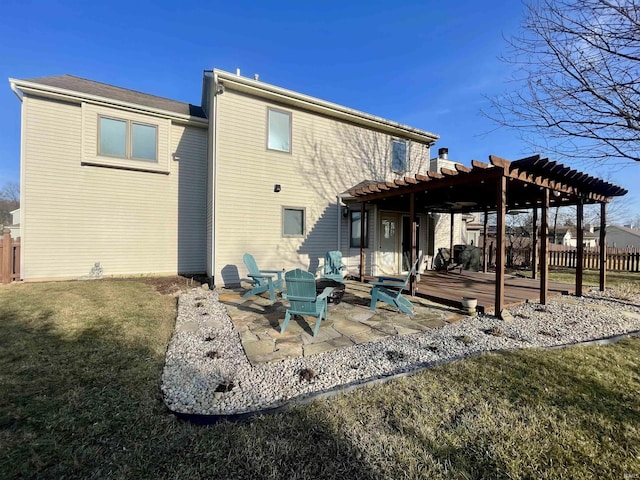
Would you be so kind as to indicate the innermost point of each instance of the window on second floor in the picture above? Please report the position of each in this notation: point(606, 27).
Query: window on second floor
point(399, 156)
point(278, 130)
point(127, 139)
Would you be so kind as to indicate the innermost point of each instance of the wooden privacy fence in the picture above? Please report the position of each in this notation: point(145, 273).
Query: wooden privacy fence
point(618, 259)
point(9, 257)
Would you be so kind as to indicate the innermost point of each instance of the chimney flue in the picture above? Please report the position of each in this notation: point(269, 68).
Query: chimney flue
point(443, 153)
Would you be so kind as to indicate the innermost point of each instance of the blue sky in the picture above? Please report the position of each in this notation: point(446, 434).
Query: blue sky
point(428, 64)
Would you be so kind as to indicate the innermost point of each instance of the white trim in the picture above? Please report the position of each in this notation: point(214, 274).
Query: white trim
point(289, 97)
point(73, 96)
point(23, 205)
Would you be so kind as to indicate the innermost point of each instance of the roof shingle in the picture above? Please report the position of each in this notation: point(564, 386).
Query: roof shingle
point(90, 87)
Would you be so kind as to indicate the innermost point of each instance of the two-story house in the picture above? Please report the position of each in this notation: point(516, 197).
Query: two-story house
point(148, 185)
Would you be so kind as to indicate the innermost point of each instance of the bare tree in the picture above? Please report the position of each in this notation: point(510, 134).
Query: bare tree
point(577, 79)
point(9, 201)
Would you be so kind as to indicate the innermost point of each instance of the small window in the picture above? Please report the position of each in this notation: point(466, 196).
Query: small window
point(355, 229)
point(279, 131)
point(399, 156)
point(126, 139)
point(293, 222)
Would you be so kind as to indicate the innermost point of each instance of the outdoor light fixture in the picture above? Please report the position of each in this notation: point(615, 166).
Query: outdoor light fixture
point(277, 188)
point(345, 211)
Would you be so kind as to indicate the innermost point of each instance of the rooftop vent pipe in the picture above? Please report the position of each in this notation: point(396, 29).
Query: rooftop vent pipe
point(443, 153)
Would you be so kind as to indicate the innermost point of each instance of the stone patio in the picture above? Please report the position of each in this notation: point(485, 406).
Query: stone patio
point(258, 321)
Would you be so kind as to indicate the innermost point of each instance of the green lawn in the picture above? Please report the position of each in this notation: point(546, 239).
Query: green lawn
point(80, 382)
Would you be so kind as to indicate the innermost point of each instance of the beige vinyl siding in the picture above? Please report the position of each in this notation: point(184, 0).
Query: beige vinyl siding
point(327, 157)
point(131, 222)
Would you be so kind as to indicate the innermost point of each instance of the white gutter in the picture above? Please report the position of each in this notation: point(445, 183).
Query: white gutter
point(14, 88)
point(78, 97)
point(282, 95)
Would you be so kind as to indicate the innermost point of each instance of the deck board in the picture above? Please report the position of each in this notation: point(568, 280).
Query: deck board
point(449, 288)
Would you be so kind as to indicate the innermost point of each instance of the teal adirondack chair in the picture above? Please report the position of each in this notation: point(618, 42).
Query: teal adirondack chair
point(333, 267)
point(389, 290)
point(263, 280)
point(301, 293)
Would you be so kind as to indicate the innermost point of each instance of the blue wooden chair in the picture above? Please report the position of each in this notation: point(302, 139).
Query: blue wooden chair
point(333, 267)
point(389, 290)
point(301, 293)
point(263, 280)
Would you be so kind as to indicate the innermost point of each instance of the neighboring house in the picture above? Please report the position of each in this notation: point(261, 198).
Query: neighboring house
point(567, 235)
point(148, 185)
point(622, 236)
point(15, 223)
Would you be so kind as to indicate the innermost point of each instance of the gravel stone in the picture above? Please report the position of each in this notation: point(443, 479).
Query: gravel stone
point(190, 377)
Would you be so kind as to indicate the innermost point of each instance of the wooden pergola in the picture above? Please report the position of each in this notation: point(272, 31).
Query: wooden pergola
point(501, 185)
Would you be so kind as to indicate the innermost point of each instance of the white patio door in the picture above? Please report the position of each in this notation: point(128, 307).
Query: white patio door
point(388, 244)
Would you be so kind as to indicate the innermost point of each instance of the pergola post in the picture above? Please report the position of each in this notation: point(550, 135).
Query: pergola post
point(603, 245)
point(544, 247)
point(412, 247)
point(579, 247)
point(501, 207)
point(484, 242)
point(451, 240)
point(362, 241)
point(534, 245)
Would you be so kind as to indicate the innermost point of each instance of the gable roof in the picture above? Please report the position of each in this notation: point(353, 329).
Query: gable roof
point(105, 91)
point(632, 231)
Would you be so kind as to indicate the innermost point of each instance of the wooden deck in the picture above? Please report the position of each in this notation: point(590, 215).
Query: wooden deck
point(449, 288)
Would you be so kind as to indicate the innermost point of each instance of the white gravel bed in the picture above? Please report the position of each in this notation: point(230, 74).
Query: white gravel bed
point(206, 354)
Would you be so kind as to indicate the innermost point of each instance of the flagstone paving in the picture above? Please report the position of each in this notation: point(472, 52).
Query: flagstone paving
point(258, 319)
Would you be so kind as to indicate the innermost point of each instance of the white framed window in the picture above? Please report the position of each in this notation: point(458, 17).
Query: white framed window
point(293, 221)
point(278, 130)
point(355, 229)
point(127, 139)
point(399, 156)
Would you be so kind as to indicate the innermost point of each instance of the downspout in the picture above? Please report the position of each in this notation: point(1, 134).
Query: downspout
point(339, 222)
point(15, 90)
point(213, 121)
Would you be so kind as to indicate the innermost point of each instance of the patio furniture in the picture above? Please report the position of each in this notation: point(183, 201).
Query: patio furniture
point(301, 293)
point(389, 290)
point(333, 267)
point(337, 289)
point(263, 280)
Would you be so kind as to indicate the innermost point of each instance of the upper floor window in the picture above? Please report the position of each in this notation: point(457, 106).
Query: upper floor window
point(279, 130)
point(127, 139)
point(399, 156)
